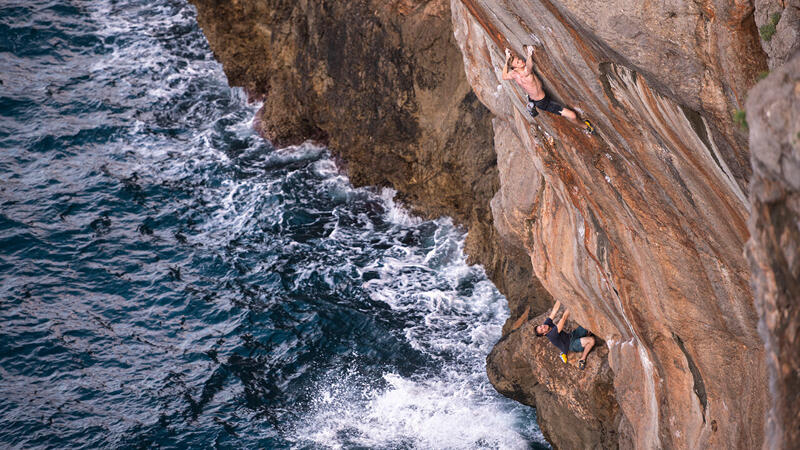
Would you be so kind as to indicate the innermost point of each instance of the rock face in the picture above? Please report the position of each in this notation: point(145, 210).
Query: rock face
point(773, 111)
point(382, 83)
point(638, 230)
point(577, 409)
point(779, 26)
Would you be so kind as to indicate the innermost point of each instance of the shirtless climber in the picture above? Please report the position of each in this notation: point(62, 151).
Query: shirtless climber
point(577, 341)
point(522, 73)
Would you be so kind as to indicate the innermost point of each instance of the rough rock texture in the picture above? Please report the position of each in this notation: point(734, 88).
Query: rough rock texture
point(779, 25)
point(773, 111)
point(576, 409)
point(639, 230)
point(382, 83)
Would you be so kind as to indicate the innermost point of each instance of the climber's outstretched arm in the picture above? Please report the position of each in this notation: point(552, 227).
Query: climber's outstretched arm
point(553, 313)
point(529, 61)
point(563, 321)
point(506, 75)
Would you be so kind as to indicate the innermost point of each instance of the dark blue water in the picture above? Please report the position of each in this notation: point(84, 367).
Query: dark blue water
point(169, 279)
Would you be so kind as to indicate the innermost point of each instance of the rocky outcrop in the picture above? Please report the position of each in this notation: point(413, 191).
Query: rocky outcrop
point(382, 83)
point(773, 112)
point(779, 28)
point(639, 230)
point(576, 409)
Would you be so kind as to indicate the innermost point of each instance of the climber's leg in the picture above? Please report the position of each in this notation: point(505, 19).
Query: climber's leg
point(569, 114)
point(546, 104)
point(587, 343)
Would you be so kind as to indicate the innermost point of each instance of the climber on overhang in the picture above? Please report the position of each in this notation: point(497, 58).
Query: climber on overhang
point(577, 341)
point(522, 73)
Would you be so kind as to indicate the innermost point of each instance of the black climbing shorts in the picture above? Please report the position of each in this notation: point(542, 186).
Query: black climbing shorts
point(544, 104)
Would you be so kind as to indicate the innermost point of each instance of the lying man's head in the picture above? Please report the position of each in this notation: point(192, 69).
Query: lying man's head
point(541, 330)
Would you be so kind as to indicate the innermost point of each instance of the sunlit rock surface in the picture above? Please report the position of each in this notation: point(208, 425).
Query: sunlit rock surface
point(578, 408)
point(773, 112)
point(639, 230)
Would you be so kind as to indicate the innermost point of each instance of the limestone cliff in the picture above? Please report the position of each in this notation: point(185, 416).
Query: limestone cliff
point(773, 110)
point(576, 409)
point(638, 229)
point(382, 83)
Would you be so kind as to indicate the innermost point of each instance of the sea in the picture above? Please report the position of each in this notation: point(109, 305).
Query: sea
point(169, 279)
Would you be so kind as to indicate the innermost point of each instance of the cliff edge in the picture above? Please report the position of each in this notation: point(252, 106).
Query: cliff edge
point(638, 229)
point(383, 85)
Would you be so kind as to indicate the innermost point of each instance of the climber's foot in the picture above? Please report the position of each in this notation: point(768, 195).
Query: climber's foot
point(582, 364)
point(531, 107)
point(589, 128)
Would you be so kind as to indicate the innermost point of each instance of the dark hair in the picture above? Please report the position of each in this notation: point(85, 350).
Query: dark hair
point(537, 331)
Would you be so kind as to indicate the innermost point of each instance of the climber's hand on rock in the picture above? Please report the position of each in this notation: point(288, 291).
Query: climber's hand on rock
point(530, 50)
point(508, 53)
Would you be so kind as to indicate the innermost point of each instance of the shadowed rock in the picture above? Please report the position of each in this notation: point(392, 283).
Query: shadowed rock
point(638, 230)
point(382, 83)
point(779, 27)
point(773, 112)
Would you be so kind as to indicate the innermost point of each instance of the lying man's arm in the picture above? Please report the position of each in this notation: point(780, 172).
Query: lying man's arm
point(555, 310)
point(563, 320)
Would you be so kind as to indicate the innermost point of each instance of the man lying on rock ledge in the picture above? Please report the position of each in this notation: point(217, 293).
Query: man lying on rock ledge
point(577, 341)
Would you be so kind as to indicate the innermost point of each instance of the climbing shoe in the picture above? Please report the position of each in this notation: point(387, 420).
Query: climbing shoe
point(531, 107)
point(589, 127)
point(582, 364)
point(564, 357)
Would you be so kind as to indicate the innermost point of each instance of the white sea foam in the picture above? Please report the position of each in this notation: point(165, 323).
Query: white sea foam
point(452, 406)
point(448, 406)
point(395, 212)
point(444, 412)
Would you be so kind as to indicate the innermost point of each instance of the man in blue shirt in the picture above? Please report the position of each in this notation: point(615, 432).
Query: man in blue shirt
point(577, 341)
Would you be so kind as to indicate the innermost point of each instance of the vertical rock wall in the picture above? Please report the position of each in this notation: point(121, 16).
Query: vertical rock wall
point(773, 111)
point(779, 27)
point(382, 83)
point(639, 230)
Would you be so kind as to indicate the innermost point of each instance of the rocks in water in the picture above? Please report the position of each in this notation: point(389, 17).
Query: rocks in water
point(638, 229)
point(383, 84)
